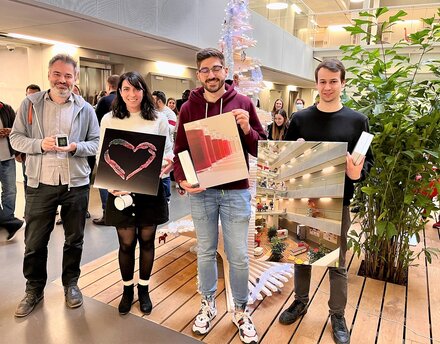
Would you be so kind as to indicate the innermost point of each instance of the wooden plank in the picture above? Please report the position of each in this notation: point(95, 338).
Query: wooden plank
point(367, 317)
point(169, 284)
point(185, 315)
point(101, 267)
point(417, 317)
point(173, 302)
point(311, 326)
point(354, 289)
point(279, 333)
point(267, 312)
point(170, 263)
point(433, 240)
point(225, 330)
point(393, 315)
point(180, 268)
point(222, 311)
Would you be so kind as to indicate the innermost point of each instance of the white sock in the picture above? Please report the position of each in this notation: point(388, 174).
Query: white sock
point(128, 283)
point(144, 282)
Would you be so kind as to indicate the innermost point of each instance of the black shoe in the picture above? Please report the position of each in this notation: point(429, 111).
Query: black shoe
point(144, 299)
point(99, 222)
point(341, 335)
point(27, 304)
point(73, 296)
point(12, 227)
point(59, 222)
point(126, 300)
point(292, 314)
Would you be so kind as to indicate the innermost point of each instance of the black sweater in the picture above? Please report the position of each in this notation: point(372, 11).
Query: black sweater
point(7, 116)
point(345, 125)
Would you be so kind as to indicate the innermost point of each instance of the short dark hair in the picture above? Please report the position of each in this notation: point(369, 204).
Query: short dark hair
point(113, 80)
point(66, 59)
point(333, 65)
point(301, 100)
point(207, 53)
point(147, 105)
point(33, 87)
point(160, 95)
point(185, 94)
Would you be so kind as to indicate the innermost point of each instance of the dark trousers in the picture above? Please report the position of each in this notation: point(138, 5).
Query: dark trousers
point(40, 212)
point(166, 182)
point(338, 276)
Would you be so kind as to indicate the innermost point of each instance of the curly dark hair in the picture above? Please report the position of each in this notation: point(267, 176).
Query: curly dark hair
point(119, 107)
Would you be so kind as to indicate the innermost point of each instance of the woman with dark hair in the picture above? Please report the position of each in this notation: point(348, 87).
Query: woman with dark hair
point(133, 110)
point(278, 128)
point(171, 103)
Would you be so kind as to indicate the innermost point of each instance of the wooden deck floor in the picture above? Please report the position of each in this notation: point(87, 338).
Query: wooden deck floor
point(377, 312)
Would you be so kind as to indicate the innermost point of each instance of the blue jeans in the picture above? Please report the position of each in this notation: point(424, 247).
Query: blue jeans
point(166, 182)
point(103, 194)
point(234, 209)
point(9, 189)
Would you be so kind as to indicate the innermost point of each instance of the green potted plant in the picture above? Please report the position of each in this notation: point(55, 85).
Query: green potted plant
point(278, 247)
point(271, 232)
point(400, 95)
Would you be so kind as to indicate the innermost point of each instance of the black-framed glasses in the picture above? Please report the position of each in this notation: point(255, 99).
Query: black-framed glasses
point(214, 69)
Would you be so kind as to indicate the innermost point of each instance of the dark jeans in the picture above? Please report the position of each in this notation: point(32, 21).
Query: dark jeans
point(166, 182)
point(103, 194)
point(41, 207)
point(338, 276)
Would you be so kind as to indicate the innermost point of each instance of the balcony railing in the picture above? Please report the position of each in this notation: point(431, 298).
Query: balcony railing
point(326, 29)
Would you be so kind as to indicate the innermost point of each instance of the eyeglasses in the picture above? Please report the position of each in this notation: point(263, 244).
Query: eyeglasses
point(214, 69)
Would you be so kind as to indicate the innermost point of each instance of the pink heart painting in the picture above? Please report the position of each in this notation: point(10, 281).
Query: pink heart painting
point(118, 169)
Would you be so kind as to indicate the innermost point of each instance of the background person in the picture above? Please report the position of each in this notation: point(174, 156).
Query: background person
point(7, 174)
point(230, 202)
point(277, 130)
point(333, 122)
point(133, 110)
point(56, 176)
point(104, 106)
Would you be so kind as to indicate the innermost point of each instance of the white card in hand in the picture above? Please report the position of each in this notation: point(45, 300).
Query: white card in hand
point(361, 147)
point(188, 168)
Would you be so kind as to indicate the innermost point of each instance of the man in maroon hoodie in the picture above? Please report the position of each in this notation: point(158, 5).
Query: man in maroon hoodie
point(230, 201)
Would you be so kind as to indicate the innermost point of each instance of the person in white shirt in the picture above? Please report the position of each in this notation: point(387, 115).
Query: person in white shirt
point(160, 101)
point(133, 110)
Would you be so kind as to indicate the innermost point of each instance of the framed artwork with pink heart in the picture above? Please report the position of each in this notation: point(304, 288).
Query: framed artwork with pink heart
point(130, 161)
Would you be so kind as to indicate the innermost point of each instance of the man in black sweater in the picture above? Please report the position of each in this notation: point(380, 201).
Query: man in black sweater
point(330, 121)
point(104, 106)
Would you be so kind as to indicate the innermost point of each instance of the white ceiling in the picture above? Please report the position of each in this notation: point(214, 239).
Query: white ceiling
point(35, 21)
point(19, 17)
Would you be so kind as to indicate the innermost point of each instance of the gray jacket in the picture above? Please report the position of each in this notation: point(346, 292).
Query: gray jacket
point(27, 135)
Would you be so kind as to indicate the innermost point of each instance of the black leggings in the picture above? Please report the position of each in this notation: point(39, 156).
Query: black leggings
point(127, 244)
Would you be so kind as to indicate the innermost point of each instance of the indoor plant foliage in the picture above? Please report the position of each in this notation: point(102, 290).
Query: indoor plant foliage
point(404, 115)
point(278, 247)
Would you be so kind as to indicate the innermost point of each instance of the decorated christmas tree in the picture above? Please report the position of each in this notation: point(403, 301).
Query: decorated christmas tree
point(235, 39)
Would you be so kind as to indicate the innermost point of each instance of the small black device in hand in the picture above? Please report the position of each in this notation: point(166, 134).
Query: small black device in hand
point(62, 140)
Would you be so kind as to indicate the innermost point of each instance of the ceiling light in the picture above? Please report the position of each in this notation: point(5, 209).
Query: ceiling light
point(38, 39)
point(277, 6)
point(296, 9)
point(170, 68)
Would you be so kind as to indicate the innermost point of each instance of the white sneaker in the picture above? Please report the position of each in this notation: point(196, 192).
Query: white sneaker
point(208, 311)
point(246, 328)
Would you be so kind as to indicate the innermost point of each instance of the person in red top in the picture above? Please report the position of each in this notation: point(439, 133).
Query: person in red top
point(230, 201)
